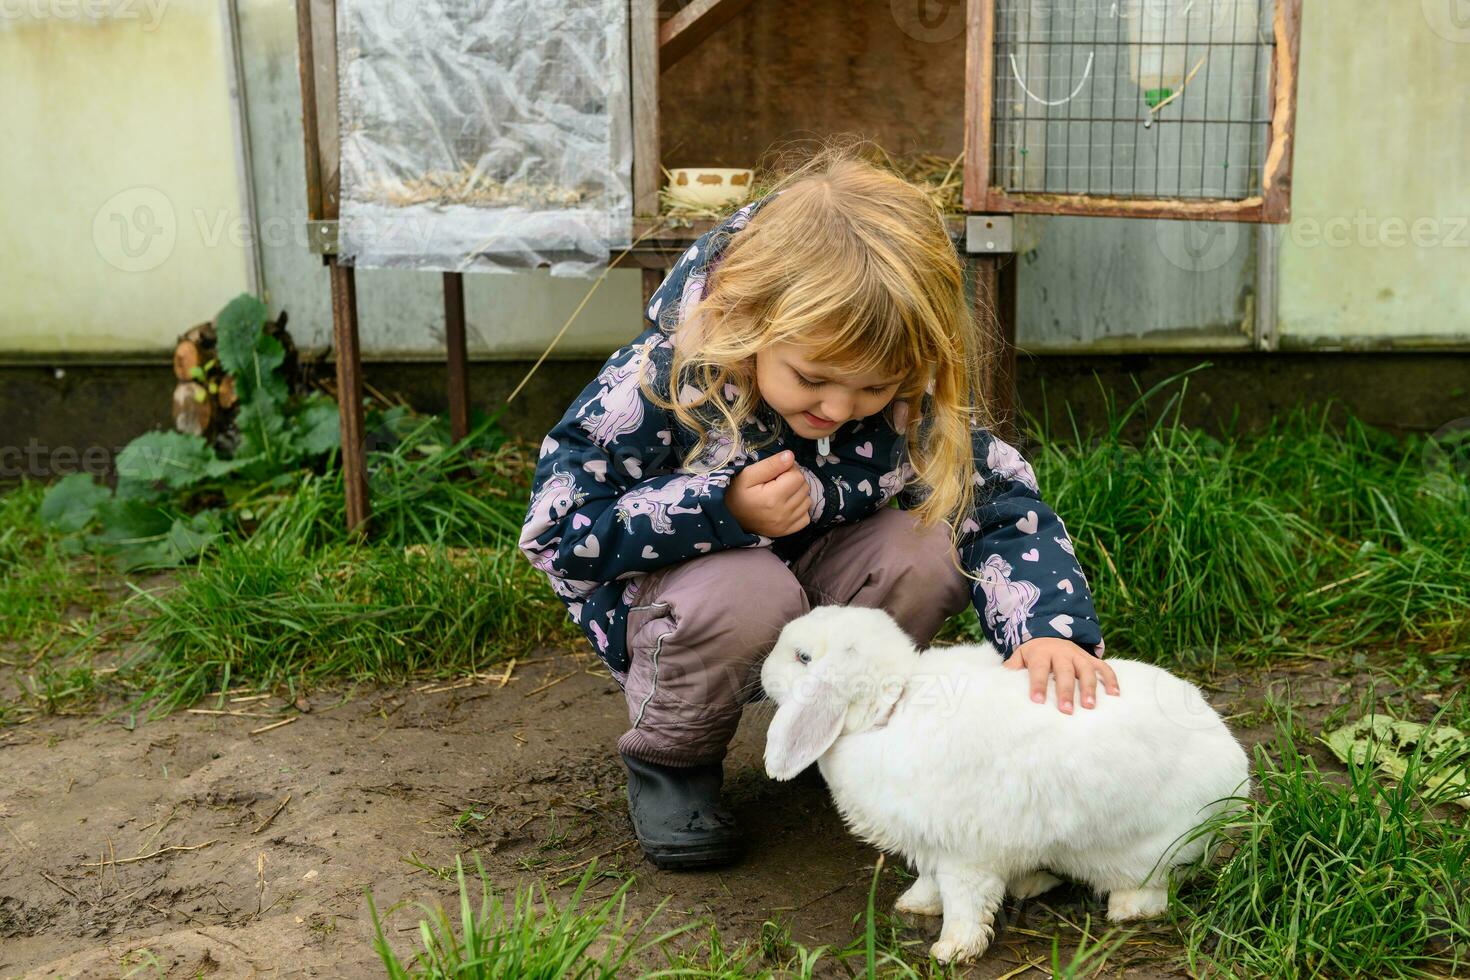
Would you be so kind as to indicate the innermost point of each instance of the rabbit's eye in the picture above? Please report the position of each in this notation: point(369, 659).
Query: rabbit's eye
point(803, 656)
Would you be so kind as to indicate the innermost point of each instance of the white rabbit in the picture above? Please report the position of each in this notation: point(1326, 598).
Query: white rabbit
point(944, 758)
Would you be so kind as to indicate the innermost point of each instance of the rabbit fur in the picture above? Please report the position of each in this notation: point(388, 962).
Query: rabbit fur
point(944, 758)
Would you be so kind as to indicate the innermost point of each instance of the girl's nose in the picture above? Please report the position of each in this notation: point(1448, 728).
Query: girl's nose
point(838, 408)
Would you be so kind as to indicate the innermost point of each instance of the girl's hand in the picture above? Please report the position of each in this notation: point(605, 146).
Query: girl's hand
point(770, 497)
point(1049, 654)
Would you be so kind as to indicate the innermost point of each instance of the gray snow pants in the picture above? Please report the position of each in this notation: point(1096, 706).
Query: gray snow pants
point(702, 628)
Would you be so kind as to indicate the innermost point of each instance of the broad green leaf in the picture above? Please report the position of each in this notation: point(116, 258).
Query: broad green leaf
point(224, 467)
point(125, 521)
point(269, 356)
point(1389, 742)
point(263, 434)
point(71, 503)
point(177, 459)
point(183, 540)
point(237, 330)
point(317, 425)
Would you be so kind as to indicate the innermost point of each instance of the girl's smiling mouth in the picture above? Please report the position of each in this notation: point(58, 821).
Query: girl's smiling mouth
point(817, 422)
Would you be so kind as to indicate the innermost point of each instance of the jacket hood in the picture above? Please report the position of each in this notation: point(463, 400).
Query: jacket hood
point(685, 284)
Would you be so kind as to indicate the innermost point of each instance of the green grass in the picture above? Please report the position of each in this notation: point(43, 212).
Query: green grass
point(40, 581)
point(530, 940)
point(267, 612)
point(439, 587)
point(436, 586)
point(1310, 534)
point(1318, 535)
point(535, 937)
point(1332, 877)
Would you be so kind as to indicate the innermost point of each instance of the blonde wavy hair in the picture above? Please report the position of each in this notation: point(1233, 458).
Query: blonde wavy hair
point(854, 264)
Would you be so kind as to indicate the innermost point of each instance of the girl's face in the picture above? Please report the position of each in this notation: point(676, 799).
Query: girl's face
point(814, 398)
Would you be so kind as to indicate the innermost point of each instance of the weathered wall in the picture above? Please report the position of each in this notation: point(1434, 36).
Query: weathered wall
point(118, 162)
point(1379, 244)
point(140, 109)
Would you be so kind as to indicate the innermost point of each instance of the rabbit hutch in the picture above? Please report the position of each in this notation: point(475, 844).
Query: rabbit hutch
point(506, 135)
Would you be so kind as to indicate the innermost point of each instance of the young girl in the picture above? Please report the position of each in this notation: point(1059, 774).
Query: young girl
point(809, 360)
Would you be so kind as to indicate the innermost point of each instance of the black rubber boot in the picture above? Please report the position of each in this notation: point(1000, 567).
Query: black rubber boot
point(678, 816)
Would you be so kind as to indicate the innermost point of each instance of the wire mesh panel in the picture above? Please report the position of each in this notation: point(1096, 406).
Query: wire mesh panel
point(485, 135)
point(1158, 99)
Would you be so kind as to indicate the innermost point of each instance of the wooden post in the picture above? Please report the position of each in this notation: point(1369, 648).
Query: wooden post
point(459, 371)
point(652, 279)
point(349, 392)
point(994, 278)
point(644, 67)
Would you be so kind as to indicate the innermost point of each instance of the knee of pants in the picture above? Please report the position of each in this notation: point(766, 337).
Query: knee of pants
point(743, 599)
point(726, 610)
point(930, 556)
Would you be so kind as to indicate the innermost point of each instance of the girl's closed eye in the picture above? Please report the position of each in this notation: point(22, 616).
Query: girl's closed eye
point(806, 382)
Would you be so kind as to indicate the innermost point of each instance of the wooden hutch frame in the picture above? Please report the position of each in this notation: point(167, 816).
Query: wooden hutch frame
point(982, 232)
point(1272, 205)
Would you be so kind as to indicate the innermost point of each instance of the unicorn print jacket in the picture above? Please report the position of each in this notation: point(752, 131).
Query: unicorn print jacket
point(612, 500)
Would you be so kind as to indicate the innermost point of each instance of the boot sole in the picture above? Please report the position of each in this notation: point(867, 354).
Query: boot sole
point(675, 858)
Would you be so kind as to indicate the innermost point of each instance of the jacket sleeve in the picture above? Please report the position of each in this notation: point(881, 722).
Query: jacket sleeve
point(594, 516)
point(1029, 583)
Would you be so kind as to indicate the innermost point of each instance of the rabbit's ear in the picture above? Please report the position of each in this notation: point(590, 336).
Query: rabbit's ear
point(804, 727)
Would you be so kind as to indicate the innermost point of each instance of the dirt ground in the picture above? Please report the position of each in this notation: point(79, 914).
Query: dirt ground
point(89, 886)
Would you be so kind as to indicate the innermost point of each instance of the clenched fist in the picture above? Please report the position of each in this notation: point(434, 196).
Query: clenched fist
point(770, 497)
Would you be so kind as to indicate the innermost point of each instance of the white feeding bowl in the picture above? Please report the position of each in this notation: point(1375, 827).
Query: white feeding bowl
point(709, 187)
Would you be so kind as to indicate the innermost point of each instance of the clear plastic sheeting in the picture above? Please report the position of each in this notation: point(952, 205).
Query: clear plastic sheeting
point(488, 135)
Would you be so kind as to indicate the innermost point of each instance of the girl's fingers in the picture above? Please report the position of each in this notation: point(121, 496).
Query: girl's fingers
point(1066, 683)
point(1110, 679)
point(1040, 671)
point(1087, 681)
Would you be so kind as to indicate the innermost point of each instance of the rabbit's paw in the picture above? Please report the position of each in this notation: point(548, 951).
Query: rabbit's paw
point(922, 898)
point(1032, 883)
point(961, 945)
point(1125, 905)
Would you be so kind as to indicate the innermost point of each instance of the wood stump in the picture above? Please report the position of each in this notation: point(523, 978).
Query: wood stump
point(205, 398)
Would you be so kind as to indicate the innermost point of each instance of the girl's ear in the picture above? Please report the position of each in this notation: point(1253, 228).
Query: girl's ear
point(805, 726)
